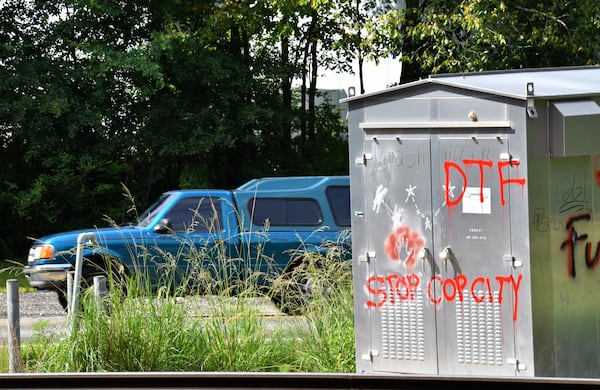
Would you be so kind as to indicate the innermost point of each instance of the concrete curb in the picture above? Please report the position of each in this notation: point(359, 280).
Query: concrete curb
point(35, 327)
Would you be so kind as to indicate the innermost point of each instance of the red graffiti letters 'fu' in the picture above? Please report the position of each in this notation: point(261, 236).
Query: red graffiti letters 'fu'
point(573, 237)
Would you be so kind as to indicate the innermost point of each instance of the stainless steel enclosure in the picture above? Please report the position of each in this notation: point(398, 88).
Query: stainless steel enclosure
point(476, 200)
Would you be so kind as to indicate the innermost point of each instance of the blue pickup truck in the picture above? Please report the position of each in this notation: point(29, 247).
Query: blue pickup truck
point(265, 227)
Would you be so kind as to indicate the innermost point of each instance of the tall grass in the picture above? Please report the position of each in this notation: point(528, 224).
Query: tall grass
point(326, 343)
point(136, 329)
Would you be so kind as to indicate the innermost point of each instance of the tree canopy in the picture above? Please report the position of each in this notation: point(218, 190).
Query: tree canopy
point(101, 97)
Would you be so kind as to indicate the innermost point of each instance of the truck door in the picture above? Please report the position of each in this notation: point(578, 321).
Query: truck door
point(199, 246)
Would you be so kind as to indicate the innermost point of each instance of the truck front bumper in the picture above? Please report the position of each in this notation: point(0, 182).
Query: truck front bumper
point(47, 276)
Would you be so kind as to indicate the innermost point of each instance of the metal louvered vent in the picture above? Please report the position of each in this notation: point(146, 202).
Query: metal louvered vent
point(403, 329)
point(478, 330)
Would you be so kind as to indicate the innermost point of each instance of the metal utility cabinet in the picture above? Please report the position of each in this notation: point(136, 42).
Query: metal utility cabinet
point(475, 232)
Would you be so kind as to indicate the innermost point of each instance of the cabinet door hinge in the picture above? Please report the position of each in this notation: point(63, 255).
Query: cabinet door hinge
point(363, 159)
point(514, 262)
point(366, 258)
point(518, 365)
point(369, 355)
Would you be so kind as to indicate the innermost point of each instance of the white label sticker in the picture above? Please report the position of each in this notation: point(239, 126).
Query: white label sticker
point(472, 202)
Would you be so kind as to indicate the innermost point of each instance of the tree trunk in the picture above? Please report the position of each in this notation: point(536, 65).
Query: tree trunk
point(286, 87)
point(312, 93)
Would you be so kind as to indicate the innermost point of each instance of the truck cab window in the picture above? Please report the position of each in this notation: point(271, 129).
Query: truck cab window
point(339, 202)
point(198, 215)
point(285, 211)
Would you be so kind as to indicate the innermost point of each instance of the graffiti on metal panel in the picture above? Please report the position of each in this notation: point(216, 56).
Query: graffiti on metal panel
point(451, 200)
point(573, 238)
point(403, 243)
point(395, 287)
point(569, 195)
point(539, 220)
point(460, 152)
point(597, 169)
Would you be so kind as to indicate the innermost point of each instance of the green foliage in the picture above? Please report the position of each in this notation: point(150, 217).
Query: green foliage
point(440, 36)
point(64, 113)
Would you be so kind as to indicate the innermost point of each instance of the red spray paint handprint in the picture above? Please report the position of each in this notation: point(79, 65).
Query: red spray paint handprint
point(403, 244)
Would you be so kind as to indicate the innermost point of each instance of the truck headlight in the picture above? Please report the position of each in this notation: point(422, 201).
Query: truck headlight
point(41, 252)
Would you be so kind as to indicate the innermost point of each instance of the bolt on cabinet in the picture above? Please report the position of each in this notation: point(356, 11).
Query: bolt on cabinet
point(474, 229)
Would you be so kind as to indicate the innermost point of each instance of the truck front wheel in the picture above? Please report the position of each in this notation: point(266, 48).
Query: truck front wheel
point(295, 290)
point(291, 297)
point(62, 299)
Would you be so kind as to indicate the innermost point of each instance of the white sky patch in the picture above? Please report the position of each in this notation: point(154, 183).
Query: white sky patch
point(376, 77)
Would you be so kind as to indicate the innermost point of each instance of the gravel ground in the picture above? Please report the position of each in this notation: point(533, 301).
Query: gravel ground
point(44, 304)
point(37, 304)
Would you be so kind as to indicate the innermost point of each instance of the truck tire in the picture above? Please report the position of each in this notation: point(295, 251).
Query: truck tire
point(293, 292)
point(62, 299)
point(292, 299)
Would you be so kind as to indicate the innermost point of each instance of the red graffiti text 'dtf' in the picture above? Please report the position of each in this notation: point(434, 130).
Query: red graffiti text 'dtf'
point(392, 287)
point(404, 239)
point(481, 164)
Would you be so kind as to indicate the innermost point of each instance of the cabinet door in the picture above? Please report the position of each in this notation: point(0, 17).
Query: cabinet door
point(476, 282)
point(398, 212)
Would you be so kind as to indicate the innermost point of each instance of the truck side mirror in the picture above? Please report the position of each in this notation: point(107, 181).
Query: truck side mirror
point(163, 226)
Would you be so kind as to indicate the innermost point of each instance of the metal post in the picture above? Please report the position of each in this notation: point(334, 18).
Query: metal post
point(100, 290)
point(14, 327)
point(82, 239)
point(70, 280)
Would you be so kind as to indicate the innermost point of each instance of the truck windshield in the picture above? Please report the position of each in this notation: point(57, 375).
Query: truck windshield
point(147, 216)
